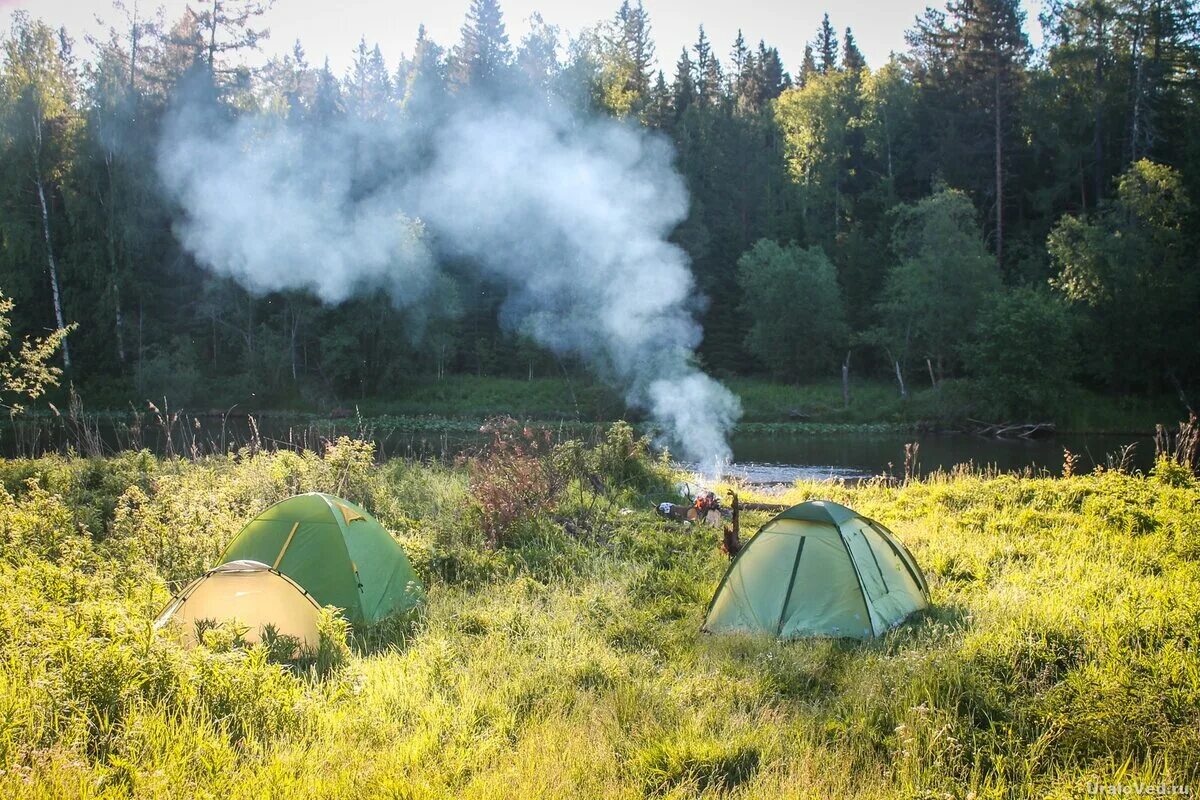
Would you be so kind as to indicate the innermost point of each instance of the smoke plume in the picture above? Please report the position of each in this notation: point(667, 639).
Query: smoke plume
point(570, 213)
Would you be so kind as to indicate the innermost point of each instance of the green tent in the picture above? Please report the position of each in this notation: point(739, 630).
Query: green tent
point(335, 550)
point(819, 569)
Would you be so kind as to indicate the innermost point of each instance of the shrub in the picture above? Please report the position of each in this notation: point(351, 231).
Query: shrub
point(514, 479)
point(333, 649)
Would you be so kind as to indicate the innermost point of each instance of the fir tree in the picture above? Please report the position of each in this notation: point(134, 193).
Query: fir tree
point(327, 97)
point(684, 87)
point(852, 57)
point(708, 72)
point(632, 30)
point(827, 47)
point(483, 56)
point(658, 111)
point(808, 67)
point(425, 76)
point(772, 77)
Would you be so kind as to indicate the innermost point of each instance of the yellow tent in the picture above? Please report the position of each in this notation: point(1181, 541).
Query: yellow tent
point(249, 594)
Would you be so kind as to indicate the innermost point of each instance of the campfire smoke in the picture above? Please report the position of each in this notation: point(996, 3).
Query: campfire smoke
point(569, 212)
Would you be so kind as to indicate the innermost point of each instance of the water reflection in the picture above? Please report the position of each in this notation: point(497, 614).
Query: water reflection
point(776, 459)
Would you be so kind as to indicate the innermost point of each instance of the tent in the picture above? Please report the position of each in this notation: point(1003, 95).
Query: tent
point(337, 551)
point(819, 569)
point(250, 594)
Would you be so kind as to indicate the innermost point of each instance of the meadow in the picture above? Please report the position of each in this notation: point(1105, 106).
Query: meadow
point(558, 652)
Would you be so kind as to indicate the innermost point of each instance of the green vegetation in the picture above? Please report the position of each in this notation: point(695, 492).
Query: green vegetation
point(25, 371)
point(799, 318)
point(564, 659)
point(944, 278)
point(479, 397)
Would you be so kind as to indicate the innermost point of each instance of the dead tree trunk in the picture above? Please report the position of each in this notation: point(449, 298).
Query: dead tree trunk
point(999, 170)
point(900, 380)
point(1136, 79)
point(846, 381)
point(119, 322)
point(295, 330)
point(732, 541)
point(1098, 113)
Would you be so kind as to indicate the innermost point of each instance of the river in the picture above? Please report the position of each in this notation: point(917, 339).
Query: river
point(758, 458)
point(774, 459)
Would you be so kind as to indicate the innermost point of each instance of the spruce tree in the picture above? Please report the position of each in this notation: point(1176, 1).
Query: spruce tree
point(368, 86)
point(808, 67)
point(327, 97)
point(745, 80)
point(852, 57)
point(708, 70)
point(772, 77)
point(827, 47)
point(684, 88)
point(633, 37)
point(658, 112)
point(483, 56)
point(425, 76)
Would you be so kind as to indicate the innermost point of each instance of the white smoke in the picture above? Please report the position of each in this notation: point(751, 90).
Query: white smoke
point(275, 206)
point(571, 214)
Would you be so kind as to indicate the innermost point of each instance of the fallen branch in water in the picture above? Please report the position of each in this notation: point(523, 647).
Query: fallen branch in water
point(751, 506)
point(1005, 430)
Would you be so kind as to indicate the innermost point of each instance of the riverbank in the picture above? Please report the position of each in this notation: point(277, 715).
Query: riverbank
point(774, 407)
point(1060, 651)
point(460, 401)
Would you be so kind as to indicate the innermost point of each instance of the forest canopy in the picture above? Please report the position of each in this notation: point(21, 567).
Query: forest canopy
point(973, 209)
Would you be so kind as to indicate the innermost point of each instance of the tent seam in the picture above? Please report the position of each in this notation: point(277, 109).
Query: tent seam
point(858, 577)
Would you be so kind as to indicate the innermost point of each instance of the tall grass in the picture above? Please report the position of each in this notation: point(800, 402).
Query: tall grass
point(1062, 647)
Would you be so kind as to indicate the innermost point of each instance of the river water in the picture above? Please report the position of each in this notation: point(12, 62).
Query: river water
point(782, 459)
point(758, 458)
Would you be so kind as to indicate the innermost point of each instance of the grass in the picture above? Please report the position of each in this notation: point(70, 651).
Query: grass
point(1063, 646)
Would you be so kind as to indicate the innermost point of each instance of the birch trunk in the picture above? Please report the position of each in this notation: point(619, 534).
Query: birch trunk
point(111, 225)
point(58, 312)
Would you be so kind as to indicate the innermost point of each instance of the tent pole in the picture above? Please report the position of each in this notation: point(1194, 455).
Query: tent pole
point(283, 550)
point(791, 583)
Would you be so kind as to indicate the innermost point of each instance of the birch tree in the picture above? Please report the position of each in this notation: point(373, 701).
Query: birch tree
point(37, 95)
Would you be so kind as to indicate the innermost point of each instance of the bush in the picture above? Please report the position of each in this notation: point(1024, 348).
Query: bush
point(1024, 352)
point(514, 480)
point(793, 343)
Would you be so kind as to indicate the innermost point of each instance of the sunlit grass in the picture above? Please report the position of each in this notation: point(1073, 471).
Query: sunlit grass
point(1061, 648)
